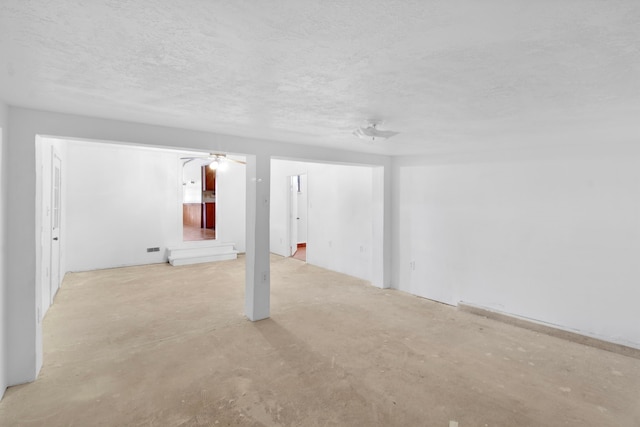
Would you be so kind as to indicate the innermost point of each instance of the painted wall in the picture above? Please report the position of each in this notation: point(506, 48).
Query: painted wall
point(4, 123)
point(24, 330)
point(231, 202)
point(339, 214)
point(124, 199)
point(551, 235)
point(192, 180)
point(121, 201)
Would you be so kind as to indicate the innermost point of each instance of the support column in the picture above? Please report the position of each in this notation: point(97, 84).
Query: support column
point(257, 277)
point(381, 242)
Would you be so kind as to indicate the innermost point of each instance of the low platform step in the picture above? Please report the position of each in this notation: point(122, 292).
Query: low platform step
point(218, 252)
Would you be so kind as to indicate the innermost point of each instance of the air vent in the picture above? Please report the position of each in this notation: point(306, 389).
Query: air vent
point(153, 249)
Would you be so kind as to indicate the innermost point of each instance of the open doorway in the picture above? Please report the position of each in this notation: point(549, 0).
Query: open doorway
point(198, 201)
point(340, 216)
point(298, 216)
point(55, 221)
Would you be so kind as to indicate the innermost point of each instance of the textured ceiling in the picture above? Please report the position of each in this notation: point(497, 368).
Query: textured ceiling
point(445, 74)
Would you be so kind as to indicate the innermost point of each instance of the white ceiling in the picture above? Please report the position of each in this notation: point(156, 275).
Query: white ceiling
point(444, 74)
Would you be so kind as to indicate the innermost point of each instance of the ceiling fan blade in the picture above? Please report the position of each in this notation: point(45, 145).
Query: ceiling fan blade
point(371, 132)
point(186, 160)
point(207, 159)
point(236, 161)
point(203, 156)
point(220, 156)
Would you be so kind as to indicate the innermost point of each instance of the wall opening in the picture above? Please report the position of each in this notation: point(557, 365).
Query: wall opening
point(297, 214)
point(327, 209)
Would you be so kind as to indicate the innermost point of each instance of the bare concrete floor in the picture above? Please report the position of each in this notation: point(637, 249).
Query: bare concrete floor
point(169, 346)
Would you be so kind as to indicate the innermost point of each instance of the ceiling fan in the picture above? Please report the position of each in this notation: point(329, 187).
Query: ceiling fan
point(213, 160)
point(371, 132)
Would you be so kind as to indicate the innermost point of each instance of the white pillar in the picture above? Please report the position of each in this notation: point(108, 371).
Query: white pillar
point(257, 278)
point(381, 242)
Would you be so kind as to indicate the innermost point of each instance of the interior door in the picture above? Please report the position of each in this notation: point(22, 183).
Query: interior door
point(293, 214)
point(56, 178)
point(302, 208)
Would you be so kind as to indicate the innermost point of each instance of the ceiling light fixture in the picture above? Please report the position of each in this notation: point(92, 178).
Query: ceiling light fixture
point(371, 132)
point(213, 160)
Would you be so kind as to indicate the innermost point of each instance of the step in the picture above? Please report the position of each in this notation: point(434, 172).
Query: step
point(196, 255)
point(215, 248)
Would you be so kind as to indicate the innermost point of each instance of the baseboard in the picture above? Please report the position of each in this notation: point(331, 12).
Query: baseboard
point(551, 330)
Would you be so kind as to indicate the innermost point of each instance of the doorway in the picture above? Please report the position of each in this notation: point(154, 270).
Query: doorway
point(50, 222)
point(56, 214)
point(298, 201)
point(198, 201)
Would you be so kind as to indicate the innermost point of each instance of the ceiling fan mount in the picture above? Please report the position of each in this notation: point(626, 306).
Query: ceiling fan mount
point(370, 132)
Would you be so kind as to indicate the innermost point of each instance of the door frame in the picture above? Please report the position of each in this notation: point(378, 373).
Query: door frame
point(54, 283)
point(292, 223)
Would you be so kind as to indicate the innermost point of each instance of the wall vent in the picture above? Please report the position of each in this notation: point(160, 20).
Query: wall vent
point(153, 249)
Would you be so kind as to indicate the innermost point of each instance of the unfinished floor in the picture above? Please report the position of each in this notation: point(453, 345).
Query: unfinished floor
point(169, 346)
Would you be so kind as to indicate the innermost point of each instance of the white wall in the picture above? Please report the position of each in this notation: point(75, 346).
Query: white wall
point(4, 318)
point(192, 180)
point(124, 199)
point(121, 200)
point(231, 202)
point(552, 235)
point(339, 214)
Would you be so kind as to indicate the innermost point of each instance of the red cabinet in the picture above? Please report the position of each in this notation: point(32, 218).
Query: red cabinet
point(208, 179)
point(209, 215)
point(208, 198)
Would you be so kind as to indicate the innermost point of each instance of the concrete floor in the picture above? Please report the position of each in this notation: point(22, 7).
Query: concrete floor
point(169, 346)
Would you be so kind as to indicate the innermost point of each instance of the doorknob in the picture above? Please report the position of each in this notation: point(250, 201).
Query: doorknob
point(55, 238)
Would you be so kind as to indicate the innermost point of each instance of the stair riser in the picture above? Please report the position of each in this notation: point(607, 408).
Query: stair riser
point(201, 259)
point(202, 251)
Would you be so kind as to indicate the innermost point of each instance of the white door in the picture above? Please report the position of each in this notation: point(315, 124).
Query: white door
point(56, 171)
point(293, 214)
point(302, 209)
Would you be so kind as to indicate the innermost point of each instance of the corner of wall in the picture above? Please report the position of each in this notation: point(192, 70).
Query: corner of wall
point(22, 329)
point(4, 122)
